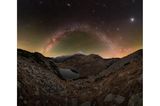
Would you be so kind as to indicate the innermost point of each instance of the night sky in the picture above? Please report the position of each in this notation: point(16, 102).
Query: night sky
point(110, 28)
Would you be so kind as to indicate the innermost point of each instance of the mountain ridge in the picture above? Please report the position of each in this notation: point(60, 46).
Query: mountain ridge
point(102, 82)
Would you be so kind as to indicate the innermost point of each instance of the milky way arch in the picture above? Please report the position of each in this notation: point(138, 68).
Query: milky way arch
point(62, 33)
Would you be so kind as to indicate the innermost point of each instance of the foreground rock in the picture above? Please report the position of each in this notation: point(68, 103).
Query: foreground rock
point(135, 100)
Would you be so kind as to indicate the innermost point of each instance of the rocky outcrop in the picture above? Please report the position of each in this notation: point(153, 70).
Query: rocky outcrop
point(36, 78)
point(135, 100)
point(116, 99)
point(88, 103)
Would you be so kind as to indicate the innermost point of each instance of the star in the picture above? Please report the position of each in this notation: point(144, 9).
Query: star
point(133, 1)
point(132, 19)
point(104, 5)
point(93, 11)
point(117, 29)
point(40, 2)
point(121, 38)
point(102, 22)
point(69, 4)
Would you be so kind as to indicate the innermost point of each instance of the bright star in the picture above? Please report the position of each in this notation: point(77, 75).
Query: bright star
point(132, 19)
point(68, 4)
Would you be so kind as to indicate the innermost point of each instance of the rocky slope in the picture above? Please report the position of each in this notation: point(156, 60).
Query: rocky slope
point(86, 65)
point(102, 82)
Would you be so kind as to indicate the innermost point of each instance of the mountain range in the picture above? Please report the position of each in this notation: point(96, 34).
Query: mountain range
point(79, 80)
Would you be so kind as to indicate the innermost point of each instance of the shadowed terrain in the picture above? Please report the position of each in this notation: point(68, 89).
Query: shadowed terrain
point(79, 80)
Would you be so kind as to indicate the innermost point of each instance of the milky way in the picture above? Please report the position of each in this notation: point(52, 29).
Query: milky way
point(112, 48)
point(60, 34)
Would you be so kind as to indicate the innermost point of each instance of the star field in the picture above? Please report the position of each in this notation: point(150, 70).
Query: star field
point(113, 28)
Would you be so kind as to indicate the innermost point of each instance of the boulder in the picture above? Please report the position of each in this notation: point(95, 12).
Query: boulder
point(110, 97)
point(88, 103)
point(119, 99)
point(135, 100)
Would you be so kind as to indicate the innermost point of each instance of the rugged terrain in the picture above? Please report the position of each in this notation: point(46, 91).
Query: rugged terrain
point(79, 80)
